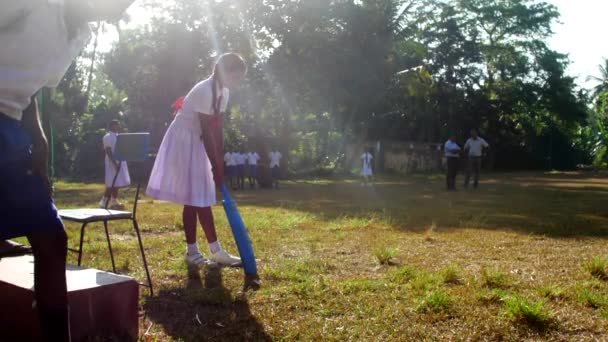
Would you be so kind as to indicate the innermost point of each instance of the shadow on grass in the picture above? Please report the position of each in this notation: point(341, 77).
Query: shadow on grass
point(556, 205)
point(204, 311)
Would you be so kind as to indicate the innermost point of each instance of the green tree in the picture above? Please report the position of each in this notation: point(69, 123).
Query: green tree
point(602, 80)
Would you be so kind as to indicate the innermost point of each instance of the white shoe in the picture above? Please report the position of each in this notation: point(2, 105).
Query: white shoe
point(223, 258)
point(102, 203)
point(198, 260)
point(114, 203)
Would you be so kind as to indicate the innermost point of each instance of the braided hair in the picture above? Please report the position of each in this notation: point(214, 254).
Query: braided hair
point(227, 63)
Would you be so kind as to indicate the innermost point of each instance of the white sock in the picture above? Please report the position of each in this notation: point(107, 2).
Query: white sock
point(215, 247)
point(193, 248)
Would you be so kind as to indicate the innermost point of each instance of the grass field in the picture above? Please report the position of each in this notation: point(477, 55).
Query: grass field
point(523, 258)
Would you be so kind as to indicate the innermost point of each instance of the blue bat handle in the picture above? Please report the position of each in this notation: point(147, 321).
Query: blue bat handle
point(227, 197)
point(241, 236)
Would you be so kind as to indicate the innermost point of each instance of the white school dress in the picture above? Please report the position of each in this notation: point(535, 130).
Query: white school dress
point(275, 159)
point(123, 179)
point(240, 158)
point(252, 158)
point(229, 159)
point(366, 171)
point(182, 170)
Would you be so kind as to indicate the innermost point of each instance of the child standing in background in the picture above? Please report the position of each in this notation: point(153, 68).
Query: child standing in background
point(189, 165)
point(241, 160)
point(111, 167)
point(230, 167)
point(252, 162)
point(366, 170)
point(452, 154)
point(275, 167)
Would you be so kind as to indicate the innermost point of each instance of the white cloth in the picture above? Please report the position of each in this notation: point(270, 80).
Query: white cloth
point(275, 159)
point(182, 170)
point(241, 158)
point(199, 99)
point(451, 149)
point(229, 159)
point(123, 179)
point(475, 146)
point(35, 50)
point(367, 158)
point(253, 158)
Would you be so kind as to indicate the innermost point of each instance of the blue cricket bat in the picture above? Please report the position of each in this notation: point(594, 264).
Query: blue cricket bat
point(241, 236)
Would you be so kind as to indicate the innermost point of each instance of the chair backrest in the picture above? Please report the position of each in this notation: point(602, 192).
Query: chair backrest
point(132, 147)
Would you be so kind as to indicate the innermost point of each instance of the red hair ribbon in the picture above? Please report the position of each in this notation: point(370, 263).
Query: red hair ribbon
point(179, 103)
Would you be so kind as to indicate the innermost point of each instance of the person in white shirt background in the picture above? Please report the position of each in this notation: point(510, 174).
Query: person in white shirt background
point(275, 167)
point(111, 168)
point(241, 160)
point(474, 148)
point(366, 170)
point(452, 154)
point(235, 158)
point(229, 160)
point(252, 163)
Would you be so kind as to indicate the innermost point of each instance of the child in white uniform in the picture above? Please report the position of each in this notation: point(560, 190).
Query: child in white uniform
point(366, 170)
point(111, 166)
point(241, 160)
point(275, 167)
point(252, 162)
point(230, 167)
point(189, 165)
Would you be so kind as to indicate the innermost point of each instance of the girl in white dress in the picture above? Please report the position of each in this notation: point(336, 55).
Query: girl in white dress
point(111, 166)
point(366, 170)
point(189, 163)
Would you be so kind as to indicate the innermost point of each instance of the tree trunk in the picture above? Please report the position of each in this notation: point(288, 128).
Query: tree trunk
point(92, 67)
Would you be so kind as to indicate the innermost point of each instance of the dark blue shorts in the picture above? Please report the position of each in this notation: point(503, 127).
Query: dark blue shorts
point(240, 170)
point(276, 172)
point(231, 170)
point(253, 170)
point(25, 205)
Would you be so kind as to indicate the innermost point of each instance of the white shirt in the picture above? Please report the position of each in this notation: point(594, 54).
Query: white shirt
point(109, 140)
point(253, 158)
point(229, 159)
point(275, 158)
point(367, 159)
point(199, 99)
point(451, 149)
point(475, 146)
point(240, 158)
point(35, 51)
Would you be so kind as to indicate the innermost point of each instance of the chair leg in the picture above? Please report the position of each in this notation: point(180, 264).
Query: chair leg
point(143, 256)
point(105, 225)
point(81, 243)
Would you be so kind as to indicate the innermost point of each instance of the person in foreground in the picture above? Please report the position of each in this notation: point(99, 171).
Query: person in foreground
point(189, 164)
point(39, 40)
